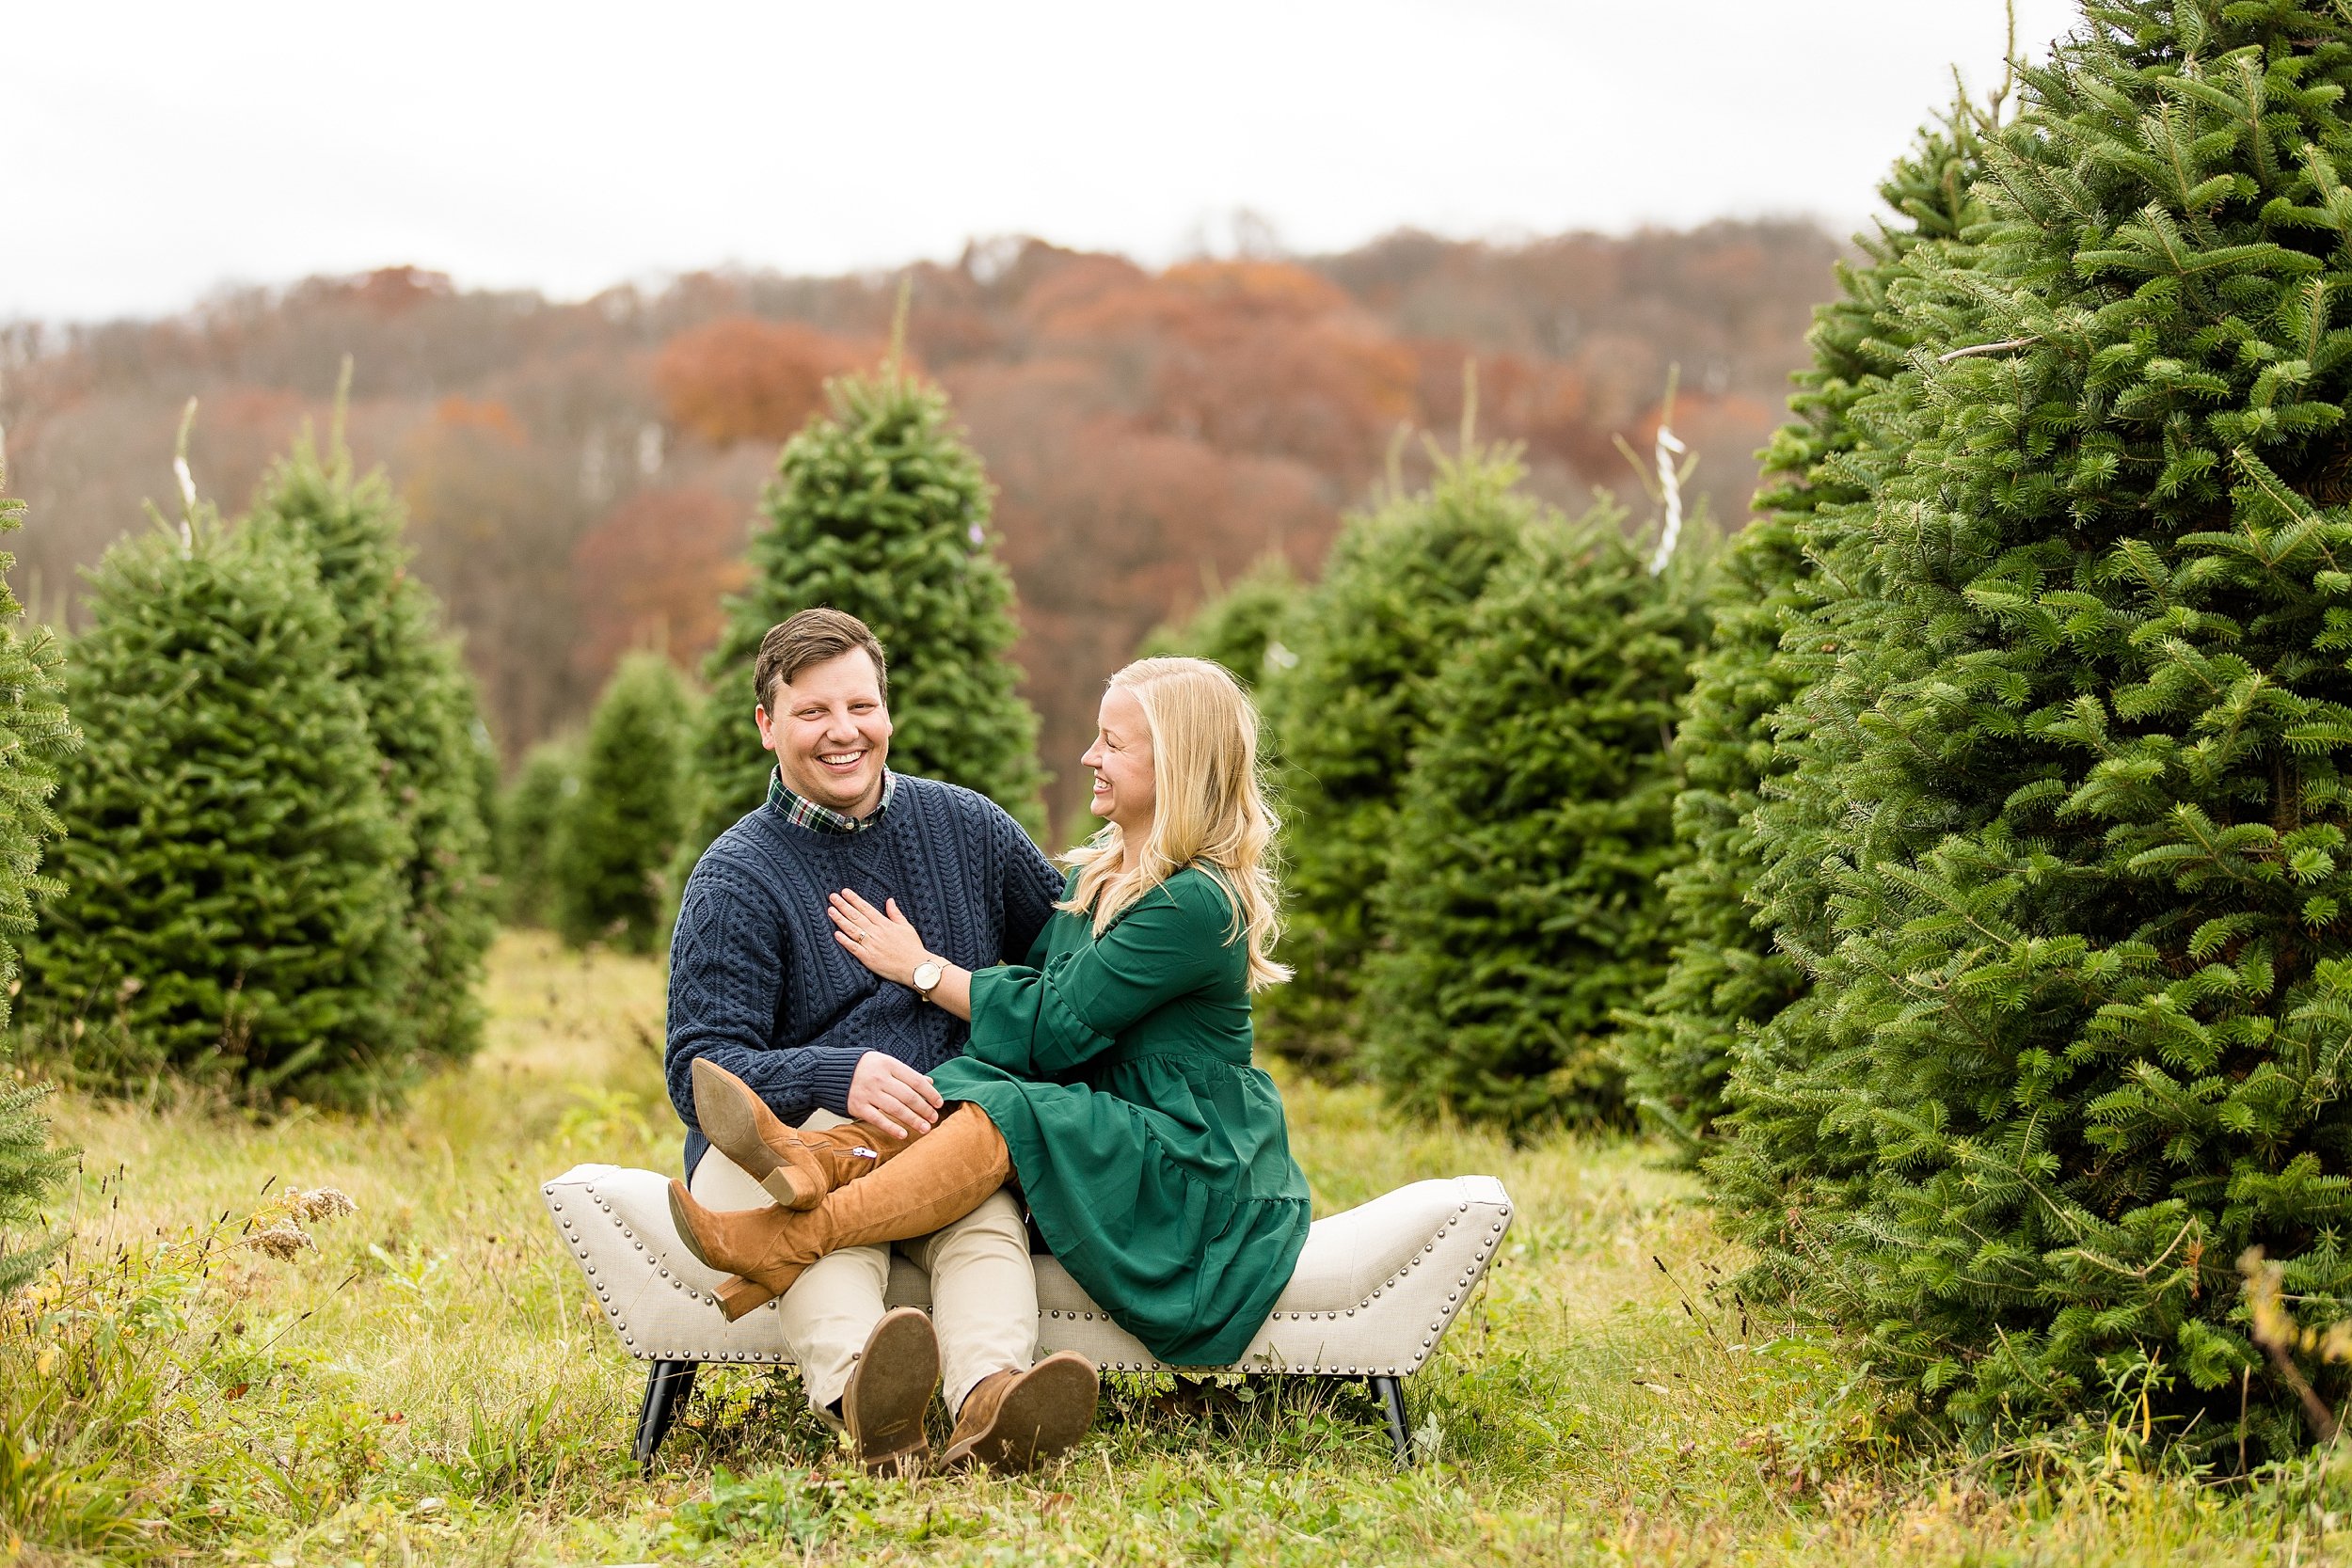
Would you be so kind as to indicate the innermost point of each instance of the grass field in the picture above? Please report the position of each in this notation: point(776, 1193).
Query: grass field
point(426, 1381)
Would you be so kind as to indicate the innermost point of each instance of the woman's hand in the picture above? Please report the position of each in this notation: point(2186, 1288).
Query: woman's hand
point(885, 942)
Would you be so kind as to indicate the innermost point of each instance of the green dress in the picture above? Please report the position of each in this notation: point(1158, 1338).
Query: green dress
point(1152, 1154)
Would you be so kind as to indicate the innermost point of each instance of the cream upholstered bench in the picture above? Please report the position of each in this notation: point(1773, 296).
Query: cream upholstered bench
point(1373, 1292)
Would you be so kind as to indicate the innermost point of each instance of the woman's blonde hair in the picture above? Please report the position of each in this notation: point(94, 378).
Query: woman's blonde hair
point(1210, 807)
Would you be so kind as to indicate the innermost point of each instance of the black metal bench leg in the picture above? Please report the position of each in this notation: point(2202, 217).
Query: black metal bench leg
point(1391, 1392)
point(666, 1387)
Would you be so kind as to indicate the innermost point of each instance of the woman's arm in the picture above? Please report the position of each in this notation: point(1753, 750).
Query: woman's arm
point(886, 942)
point(1048, 1020)
point(954, 991)
point(1051, 1020)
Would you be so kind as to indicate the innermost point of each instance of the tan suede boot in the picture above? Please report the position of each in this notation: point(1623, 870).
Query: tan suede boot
point(941, 1176)
point(889, 1390)
point(1010, 1421)
point(797, 1168)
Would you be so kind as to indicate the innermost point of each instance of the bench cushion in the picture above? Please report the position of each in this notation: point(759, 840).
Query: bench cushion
point(1374, 1292)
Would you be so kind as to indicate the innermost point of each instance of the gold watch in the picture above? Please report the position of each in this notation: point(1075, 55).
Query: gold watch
point(927, 977)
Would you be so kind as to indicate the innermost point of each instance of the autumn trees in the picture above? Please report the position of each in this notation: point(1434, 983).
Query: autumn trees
point(656, 571)
point(581, 477)
point(743, 378)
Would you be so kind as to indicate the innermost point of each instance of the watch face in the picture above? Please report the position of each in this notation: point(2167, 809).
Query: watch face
point(927, 976)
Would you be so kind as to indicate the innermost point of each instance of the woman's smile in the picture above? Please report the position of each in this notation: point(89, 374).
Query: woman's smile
point(1121, 760)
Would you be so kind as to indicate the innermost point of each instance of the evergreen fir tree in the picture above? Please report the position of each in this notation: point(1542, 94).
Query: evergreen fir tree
point(529, 824)
point(421, 714)
point(232, 908)
point(35, 737)
point(1394, 606)
point(619, 829)
point(2082, 1013)
point(488, 788)
point(881, 509)
point(29, 1171)
point(1521, 906)
point(1727, 971)
point(1241, 628)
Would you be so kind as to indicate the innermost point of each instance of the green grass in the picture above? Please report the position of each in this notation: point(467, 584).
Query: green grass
point(429, 1383)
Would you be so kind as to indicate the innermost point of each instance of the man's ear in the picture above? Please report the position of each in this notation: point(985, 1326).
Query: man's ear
point(767, 726)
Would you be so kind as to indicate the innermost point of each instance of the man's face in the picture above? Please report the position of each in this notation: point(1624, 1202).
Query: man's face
point(830, 733)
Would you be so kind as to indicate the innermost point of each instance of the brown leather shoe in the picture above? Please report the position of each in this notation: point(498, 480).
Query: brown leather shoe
point(1010, 1421)
point(889, 1390)
point(797, 1168)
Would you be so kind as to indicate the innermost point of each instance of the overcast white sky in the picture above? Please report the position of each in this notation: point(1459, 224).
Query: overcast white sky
point(151, 152)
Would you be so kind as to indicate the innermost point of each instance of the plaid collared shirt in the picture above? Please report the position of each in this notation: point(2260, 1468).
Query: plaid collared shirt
point(802, 812)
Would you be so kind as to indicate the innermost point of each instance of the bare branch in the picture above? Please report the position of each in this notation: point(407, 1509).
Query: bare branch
point(2003, 347)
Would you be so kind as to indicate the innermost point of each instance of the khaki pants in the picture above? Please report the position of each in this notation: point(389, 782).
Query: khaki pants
point(983, 1291)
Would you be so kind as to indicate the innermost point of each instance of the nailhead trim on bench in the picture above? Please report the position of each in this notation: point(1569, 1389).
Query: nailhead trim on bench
point(1436, 1327)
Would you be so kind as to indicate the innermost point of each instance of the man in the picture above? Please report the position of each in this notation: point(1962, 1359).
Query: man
point(760, 987)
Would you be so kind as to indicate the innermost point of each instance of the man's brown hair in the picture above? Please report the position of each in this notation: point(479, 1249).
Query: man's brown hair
point(809, 638)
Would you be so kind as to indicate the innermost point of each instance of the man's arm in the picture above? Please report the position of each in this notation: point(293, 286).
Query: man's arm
point(725, 978)
point(1031, 888)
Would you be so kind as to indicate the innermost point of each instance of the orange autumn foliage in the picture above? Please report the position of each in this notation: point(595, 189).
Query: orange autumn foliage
point(743, 379)
point(487, 416)
point(581, 473)
point(653, 574)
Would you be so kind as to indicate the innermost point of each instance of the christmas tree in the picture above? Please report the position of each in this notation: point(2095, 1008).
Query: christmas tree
point(619, 829)
point(1522, 907)
point(233, 908)
point(1727, 972)
point(1394, 606)
point(2082, 1001)
point(422, 716)
point(29, 1171)
point(528, 825)
point(35, 737)
point(1241, 628)
point(881, 509)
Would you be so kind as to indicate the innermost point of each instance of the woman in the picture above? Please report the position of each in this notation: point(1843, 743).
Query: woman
point(1108, 1075)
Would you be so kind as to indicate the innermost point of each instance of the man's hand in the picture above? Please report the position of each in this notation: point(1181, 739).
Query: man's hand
point(893, 1096)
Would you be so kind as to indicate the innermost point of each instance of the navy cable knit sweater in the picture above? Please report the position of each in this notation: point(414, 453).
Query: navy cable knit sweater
point(758, 984)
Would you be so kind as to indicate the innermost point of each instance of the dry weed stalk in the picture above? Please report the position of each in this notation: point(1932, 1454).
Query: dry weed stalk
point(276, 1229)
point(2281, 1337)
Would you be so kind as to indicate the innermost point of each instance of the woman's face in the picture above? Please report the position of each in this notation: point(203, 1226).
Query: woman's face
point(1121, 759)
